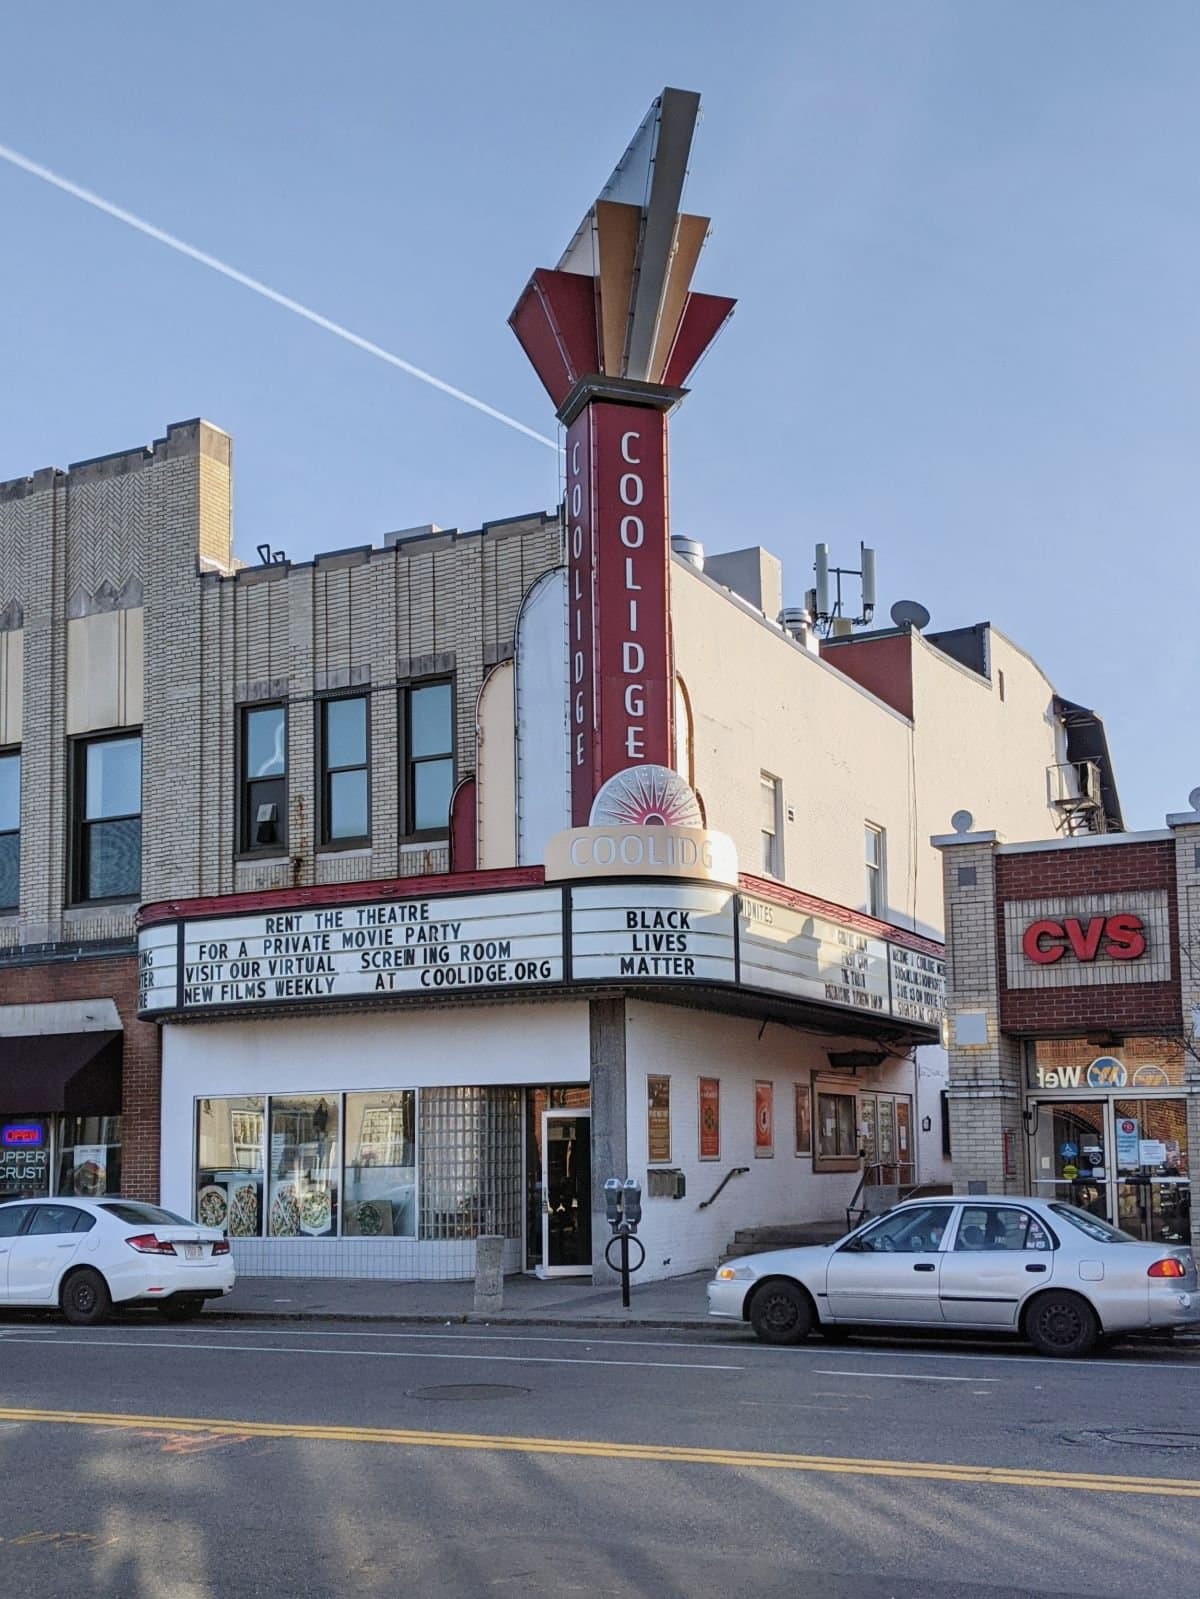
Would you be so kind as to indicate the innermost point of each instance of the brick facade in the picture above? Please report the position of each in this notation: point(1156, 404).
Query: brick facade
point(1063, 874)
point(109, 977)
point(147, 534)
point(988, 1021)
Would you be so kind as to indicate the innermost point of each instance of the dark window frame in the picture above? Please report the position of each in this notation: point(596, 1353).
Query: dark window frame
point(325, 772)
point(6, 753)
point(408, 764)
point(79, 747)
point(246, 848)
point(821, 1087)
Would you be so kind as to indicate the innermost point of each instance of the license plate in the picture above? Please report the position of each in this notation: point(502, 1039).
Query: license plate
point(192, 1251)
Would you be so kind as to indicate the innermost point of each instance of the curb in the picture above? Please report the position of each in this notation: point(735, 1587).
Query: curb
point(463, 1318)
point(476, 1319)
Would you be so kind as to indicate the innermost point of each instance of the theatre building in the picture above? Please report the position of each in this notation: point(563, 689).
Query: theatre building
point(365, 903)
point(1073, 1016)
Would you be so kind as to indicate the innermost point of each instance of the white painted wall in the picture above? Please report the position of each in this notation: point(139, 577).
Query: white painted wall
point(686, 1045)
point(543, 773)
point(496, 769)
point(546, 1043)
point(760, 702)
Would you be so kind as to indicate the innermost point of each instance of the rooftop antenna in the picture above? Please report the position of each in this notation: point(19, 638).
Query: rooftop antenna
point(910, 613)
point(830, 617)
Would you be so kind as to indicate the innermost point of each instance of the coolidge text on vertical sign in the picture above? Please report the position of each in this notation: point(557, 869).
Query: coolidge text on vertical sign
point(618, 560)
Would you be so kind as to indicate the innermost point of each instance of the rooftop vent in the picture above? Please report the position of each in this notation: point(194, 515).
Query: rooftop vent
point(689, 550)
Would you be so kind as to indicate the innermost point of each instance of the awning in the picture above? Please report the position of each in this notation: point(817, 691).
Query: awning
point(79, 1073)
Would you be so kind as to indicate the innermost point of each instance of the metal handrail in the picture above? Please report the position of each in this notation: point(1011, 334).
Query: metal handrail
point(875, 1166)
point(734, 1171)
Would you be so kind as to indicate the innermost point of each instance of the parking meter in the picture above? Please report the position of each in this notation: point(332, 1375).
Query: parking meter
point(612, 1201)
point(632, 1196)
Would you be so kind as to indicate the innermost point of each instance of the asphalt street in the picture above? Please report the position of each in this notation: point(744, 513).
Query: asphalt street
point(220, 1461)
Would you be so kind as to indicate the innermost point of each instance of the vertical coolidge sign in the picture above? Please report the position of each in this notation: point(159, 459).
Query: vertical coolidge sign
point(613, 332)
point(621, 689)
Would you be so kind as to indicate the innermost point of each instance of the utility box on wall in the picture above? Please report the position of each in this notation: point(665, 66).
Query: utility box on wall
point(665, 1183)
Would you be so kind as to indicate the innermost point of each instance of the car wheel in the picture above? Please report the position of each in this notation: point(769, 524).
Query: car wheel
point(85, 1298)
point(1062, 1324)
point(781, 1313)
point(180, 1309)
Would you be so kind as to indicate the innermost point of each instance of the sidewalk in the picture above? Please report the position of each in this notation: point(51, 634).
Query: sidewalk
point(562, 1301)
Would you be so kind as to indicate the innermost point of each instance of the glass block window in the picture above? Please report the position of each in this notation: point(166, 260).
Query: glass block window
point(469, 1150)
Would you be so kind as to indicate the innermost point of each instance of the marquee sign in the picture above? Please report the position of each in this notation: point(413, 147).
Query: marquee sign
point(504, 940)
point(622, 932)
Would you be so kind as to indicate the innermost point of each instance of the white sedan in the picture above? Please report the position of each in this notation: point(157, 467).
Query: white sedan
point(85, 1255)
point(1061, 1277)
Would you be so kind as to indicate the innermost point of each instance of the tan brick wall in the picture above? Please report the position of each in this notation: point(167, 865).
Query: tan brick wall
point(1187, 870)
point(986, 1088)
point(148, 532)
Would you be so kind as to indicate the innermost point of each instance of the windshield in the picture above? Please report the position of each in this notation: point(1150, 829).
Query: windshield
point(137, 1215)
point(1092, 1225)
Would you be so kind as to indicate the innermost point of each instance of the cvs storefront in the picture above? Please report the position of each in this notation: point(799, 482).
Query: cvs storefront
point(1073, 1020)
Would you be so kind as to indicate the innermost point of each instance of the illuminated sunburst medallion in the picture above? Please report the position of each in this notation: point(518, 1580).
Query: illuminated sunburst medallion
point(646, 796)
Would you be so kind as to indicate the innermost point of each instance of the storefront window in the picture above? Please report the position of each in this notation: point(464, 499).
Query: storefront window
point(303, 1167)
point(229, 1165)
point(380, 1188)
point(24, 1157)
point(89, 1155)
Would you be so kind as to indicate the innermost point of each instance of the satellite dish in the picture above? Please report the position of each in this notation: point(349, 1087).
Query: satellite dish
point(912, 612)
point(962, 821)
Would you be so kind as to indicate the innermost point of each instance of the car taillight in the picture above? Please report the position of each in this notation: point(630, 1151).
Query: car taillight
point(148, 1244)
point(1170, 1267)
point(221, 1247)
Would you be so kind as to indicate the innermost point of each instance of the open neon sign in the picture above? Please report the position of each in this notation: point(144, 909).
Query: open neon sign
point(22, 1135)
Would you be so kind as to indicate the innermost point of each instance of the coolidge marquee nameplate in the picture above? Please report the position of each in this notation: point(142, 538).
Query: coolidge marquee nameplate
point(623, 932)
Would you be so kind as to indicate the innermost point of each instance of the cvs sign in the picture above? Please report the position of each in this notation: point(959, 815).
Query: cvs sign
point(1120, 938)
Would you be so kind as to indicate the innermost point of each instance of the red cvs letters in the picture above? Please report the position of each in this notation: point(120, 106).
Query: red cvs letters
point(1120, 938)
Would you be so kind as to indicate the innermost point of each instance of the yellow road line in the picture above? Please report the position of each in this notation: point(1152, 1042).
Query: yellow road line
point(594, 1449)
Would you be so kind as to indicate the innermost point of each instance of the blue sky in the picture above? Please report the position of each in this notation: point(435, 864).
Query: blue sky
point(964, 239)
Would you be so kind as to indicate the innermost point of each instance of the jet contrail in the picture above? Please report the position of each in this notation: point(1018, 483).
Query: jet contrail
point(14, 158)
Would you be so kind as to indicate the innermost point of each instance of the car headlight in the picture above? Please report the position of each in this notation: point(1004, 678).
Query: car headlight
point(735, 1274)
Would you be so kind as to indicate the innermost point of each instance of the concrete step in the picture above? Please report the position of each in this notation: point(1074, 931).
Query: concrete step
point(789, 1235)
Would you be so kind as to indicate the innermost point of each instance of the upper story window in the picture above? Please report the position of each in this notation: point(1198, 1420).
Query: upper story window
point(263, 766)
point(108, 790)
point(429, 752)
point(10, 829)
point(345, 782)
point(875, 846)
point(772, 852)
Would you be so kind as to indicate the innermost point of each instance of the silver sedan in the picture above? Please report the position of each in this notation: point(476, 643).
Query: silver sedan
point(1058, 1275)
